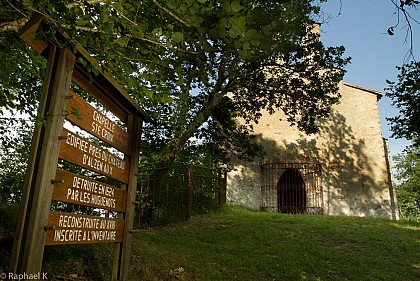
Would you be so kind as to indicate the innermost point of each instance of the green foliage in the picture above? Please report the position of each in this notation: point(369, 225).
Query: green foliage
point(406, 97)
point(21, 77)
point(185, 61)
point(20, 82)
point(87, 262)
point(14, 154)
point(408, 191)
point(8, 219)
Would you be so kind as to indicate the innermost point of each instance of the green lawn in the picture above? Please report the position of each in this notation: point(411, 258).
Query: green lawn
point(237, 244)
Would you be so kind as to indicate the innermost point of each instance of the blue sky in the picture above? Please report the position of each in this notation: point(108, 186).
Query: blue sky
point(361, 28)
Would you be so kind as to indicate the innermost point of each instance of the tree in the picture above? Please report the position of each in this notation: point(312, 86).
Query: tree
point(403, 9)
point(408, 191)
point(20, 84)
point(406, 97)
point(197, 65)
point(405, 93)
point(14, 157)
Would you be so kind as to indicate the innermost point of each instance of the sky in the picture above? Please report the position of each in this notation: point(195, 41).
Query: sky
point(361, 27)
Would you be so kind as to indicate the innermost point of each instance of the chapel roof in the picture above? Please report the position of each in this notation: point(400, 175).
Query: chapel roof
point(377, 93)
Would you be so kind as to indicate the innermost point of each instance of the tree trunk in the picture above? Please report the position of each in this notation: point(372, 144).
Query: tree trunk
point(176, 143)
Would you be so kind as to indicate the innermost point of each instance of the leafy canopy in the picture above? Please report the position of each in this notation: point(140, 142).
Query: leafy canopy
point(408, 191)
point(405, 94)
point(199, 65)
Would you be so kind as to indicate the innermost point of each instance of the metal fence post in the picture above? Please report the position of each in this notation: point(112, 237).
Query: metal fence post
point(190, 192)
point(222, 187)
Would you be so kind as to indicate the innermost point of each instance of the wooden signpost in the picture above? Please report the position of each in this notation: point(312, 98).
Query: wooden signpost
point(97, 124)
point(81, 229)
point(45, 182)
point(79, 151)
point(84, 191)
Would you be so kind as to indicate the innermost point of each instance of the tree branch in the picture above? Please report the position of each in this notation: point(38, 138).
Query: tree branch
point(92, 29)
point(402, 8)
point(148, 61)
point(171, 14)
point(71, 5)
point(15, 25)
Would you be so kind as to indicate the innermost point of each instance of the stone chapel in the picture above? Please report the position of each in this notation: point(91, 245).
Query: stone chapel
point(342, 170)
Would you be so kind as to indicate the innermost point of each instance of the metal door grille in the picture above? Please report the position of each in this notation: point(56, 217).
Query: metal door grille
point(291, 187)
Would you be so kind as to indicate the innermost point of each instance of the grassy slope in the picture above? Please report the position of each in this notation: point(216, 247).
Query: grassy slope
point(237, 244)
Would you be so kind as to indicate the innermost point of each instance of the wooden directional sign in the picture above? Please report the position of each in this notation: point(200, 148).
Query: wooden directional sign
point(37, 225)
point(85, 191)
point(81, 152)
point(66, 228)
point(82, 114)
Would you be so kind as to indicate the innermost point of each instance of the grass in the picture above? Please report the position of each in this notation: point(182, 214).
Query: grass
point(238, 244)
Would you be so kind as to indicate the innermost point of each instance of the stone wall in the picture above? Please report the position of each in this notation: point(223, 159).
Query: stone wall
point(244, 185)
point(349, 148)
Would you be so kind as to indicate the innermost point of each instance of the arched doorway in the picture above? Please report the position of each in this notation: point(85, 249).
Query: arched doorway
point(291, 192)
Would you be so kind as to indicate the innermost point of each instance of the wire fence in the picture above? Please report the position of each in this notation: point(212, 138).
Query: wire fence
point(177, 193)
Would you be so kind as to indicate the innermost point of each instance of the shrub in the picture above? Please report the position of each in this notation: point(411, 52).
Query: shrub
point(8, 221)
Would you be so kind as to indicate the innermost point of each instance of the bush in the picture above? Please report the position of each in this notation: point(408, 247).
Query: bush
point(8, 221)
point(88, 262)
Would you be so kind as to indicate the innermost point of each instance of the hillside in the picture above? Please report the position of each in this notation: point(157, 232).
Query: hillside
point(237, 244)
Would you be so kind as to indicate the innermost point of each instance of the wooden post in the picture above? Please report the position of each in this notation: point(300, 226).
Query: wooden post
point(14, 260)
point(28, 247)
point(117, 248)
point(116, 262)
point(134, 128)
point(190, 192)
